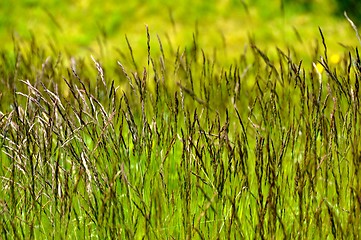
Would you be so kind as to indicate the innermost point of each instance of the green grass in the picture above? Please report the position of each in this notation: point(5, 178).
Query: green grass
point(151, 140)
point(188, 148)
point(98, 28)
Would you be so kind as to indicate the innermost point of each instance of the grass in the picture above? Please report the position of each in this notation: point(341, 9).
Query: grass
point(182, 145)
point(217, 24)
point(186, 148)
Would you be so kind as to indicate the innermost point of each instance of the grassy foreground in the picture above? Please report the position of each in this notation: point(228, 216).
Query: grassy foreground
point(180, 148)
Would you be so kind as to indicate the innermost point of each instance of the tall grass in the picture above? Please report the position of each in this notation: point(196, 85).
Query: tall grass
point(182, 148)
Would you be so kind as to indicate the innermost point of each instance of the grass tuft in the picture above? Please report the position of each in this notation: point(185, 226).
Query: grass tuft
point(184, 147)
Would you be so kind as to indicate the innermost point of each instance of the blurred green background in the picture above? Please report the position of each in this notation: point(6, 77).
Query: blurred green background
point(84, 27)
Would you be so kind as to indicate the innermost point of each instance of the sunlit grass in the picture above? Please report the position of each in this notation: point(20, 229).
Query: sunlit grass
point(185, 147)
point(225, 22)
point(207, 128)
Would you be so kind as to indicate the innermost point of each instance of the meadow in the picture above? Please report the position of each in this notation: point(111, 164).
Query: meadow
point(191, 133)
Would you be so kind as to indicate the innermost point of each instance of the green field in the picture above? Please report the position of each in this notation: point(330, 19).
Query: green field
point(186, 120)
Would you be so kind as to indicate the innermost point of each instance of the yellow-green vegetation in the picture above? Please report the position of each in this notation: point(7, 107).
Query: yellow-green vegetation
point(94, 27)
point(185, 120)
